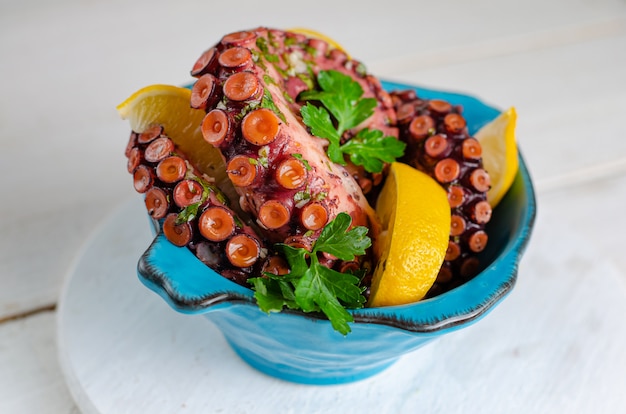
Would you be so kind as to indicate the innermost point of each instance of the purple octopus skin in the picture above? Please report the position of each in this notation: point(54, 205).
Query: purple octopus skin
point(248, 84)
point(438, 144)
point(194, 213)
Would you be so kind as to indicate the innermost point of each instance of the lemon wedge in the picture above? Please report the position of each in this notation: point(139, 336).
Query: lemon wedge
point(499, 152)
point(169, 106)
point(415, 218)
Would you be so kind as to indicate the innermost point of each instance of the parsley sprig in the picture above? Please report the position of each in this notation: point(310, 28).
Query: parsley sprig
point(341, 97)
point(312, 287)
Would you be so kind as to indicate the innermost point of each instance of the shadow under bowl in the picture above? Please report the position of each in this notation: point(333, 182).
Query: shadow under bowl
point(304, 348)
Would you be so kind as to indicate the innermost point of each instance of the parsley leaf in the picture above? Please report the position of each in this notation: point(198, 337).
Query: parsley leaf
point(268, 102)
point(370, 148)
point(188, 213)
point(341, 243)
point(312, 287)
point(273, 293)
point(341, 97)
point(299, 157)
point(319, 121)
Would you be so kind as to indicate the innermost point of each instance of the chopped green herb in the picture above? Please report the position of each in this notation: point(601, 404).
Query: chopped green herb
point(221, 197)
point(268, 79)
point(188, 213)
point(245, 110)
point(361, 69)
point(308, 81)
point(310, 50)
point(191, 211)
point(287, 97)
point(370, 148)
point(256, 57)
point(282, 72)
point(301, 198)
point(297, 156)
point(341, 97)
point(238, 222)
point(272, 40)
point(268, 102)
point(301, 195)
point(262, 45)
point(312, 287)
point(263, 159)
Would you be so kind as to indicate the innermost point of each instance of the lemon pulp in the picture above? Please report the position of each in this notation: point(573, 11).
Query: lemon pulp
point(415, 216)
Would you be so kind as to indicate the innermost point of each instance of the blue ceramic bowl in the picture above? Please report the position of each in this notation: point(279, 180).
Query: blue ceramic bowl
point(304, 348)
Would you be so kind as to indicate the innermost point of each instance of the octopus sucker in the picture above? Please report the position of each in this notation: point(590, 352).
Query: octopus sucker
point(291, 174)
point(205, 63)
point(274, 214)
point(135, 156)
point(143, 179)
point(171, 169)
point(314, 216)
point(260, 126)
point(150, 134)
point(203, 90)
point(157, 202)
point(235, 58)
point(159, 149)
point(242, 86)
point(179, 234)
point(438, 144)
point(242, 170)
point(216, 223)
point(243, 250)
point(217, 128)
point(187, 192)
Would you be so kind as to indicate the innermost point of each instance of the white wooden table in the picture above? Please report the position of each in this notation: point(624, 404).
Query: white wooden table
point(65, 65)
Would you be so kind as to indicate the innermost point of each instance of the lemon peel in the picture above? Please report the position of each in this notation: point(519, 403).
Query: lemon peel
point(415, 216)
point(499, 152)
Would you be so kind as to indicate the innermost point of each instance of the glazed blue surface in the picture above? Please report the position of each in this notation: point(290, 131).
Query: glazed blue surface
point(305, 348)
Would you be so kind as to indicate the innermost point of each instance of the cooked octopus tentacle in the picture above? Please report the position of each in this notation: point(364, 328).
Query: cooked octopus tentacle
point(438, 144)
point(248, 84)
point(194, 214)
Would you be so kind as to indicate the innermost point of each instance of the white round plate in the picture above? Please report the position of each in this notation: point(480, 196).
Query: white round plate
point(549, 347)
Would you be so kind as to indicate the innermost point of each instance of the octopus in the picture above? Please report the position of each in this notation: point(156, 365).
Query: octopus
point(249, 85)
point(439, 144)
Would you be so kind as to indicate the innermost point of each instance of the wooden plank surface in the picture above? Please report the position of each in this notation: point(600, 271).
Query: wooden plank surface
point(30, 379)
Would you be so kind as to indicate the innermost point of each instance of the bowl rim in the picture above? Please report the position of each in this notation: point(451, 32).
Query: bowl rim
point(479, 295)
